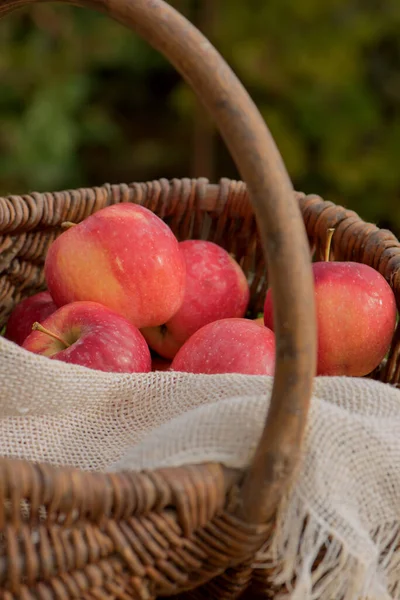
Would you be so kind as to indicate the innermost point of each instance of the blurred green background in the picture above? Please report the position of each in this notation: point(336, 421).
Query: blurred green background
point(84, 101)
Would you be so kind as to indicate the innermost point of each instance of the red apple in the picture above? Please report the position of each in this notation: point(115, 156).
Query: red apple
point(228, 346)
point(91, 335)
point(216, 288)
point(26, 312)
point(356, 317)
point(124, 257)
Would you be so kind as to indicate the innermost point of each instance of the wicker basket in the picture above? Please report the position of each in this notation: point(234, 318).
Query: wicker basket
point(192, 531)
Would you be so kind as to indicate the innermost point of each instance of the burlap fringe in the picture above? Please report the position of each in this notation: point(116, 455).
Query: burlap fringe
point(311, 562)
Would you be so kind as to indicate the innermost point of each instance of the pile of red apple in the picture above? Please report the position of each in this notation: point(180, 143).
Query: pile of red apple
point(124, 295)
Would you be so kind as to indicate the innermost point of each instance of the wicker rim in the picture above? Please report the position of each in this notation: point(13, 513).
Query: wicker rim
point(279, 220)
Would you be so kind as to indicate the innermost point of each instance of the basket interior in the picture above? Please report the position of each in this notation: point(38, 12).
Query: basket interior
point(194, 209)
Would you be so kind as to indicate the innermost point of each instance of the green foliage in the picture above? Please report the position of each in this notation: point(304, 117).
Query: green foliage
point(84, 100)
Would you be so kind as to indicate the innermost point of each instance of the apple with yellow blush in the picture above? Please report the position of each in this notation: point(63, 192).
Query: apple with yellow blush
point(356, 316)
point(124, 257)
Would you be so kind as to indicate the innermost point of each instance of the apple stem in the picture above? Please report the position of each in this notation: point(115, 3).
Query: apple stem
point(38, 327)
point(329, 237)
point(67, 224)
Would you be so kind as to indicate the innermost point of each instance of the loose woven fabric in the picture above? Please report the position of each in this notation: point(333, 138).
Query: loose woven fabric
point(346, 489)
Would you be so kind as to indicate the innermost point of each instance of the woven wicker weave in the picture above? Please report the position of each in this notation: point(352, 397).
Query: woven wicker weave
point(191, 531)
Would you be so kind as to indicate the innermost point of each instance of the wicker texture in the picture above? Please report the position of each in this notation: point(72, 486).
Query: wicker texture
point(140, 537)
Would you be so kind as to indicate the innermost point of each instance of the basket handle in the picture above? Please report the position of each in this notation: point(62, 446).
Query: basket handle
point(280, 225)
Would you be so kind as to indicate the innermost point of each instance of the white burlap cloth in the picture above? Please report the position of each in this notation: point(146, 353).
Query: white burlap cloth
point(347, 486)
